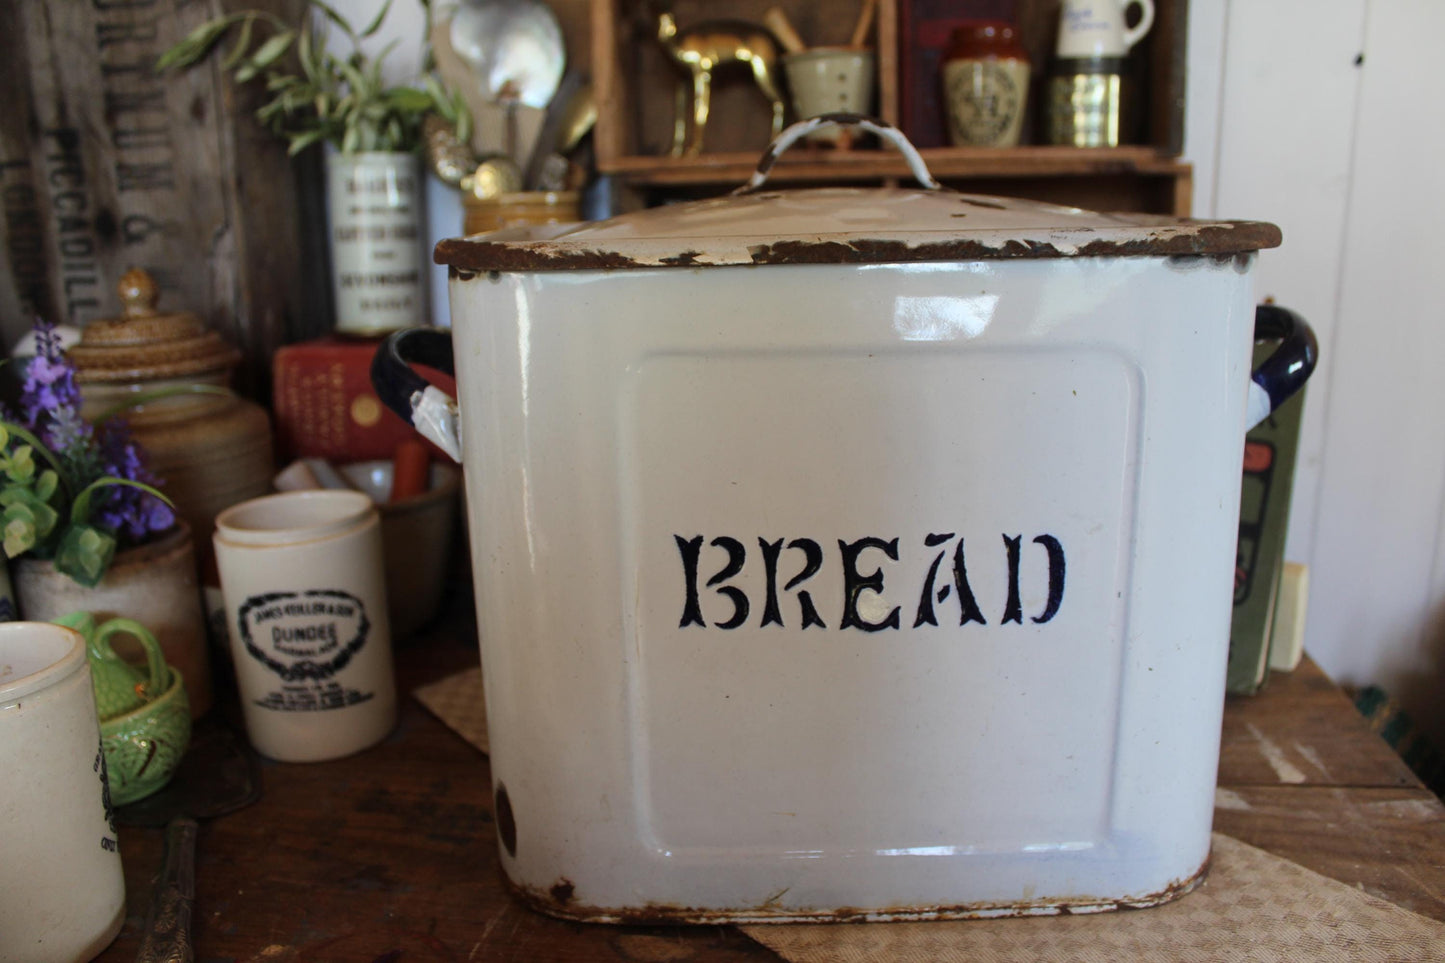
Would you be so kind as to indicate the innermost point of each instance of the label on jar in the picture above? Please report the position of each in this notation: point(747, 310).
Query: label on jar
point(376, 243)
point(985, 100)
point(306, 639)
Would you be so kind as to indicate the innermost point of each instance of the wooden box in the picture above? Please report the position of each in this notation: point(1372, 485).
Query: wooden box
point(107, 165)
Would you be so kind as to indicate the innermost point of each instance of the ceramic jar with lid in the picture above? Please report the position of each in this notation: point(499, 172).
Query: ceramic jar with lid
point(212, 447)
point(985, 84)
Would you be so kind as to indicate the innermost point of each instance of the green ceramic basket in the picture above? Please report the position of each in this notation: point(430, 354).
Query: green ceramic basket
point(144, 746)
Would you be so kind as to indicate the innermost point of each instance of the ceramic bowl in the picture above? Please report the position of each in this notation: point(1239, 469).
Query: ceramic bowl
point(416, 537)
point(144, 746)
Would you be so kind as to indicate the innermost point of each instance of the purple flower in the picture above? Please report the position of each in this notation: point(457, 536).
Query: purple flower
point(50, 409)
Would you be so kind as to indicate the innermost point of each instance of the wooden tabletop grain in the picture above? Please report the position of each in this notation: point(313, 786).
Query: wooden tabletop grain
point(391, 855)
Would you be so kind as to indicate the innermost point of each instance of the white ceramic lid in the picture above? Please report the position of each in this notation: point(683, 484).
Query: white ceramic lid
point(848, 225)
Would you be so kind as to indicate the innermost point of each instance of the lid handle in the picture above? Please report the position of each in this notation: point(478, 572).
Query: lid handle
point(138, 294)
point(803, 128)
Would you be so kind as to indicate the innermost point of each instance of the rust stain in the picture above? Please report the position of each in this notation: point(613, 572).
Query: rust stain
point(464, 257)
point(562, 891)
point(1222, 240)
point(769, 912)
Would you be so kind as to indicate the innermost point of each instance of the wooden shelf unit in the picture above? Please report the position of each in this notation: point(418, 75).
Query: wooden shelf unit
point(634, 88)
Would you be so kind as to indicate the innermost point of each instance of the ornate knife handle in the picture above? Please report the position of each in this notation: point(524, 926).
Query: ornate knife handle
point(168, 924)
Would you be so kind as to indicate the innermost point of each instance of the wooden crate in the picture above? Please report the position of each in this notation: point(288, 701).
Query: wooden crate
point(106, 165)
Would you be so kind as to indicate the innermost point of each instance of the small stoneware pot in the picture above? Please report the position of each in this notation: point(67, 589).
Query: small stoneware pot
point(306, 611)
point(144, 746)
point(154, 584)
point(985, 84)
point(119, 686)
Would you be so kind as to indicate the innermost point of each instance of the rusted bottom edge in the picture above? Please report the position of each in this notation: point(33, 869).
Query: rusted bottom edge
point(558, 902)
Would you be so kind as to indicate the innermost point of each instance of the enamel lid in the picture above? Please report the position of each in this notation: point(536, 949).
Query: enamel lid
point(848, 225)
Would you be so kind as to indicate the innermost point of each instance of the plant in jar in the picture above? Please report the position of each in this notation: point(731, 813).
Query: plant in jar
point(72, 491)
point(373, 180)
point(317, 95)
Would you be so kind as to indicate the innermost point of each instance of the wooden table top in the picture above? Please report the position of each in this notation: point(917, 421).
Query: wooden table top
point(391, 855)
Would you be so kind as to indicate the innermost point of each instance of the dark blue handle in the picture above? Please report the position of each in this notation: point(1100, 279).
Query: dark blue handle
point(396, 384)
point(1286, 371)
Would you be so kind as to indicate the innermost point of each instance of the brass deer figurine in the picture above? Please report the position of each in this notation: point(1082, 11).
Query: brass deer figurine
point(700, 50)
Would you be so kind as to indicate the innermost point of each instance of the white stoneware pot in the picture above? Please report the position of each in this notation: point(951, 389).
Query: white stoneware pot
point(852, 554)
point(305, 594)
point(62, 893)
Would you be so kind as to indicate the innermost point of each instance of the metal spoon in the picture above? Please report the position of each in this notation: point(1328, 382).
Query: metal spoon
point(512, 46)
point(515, 50)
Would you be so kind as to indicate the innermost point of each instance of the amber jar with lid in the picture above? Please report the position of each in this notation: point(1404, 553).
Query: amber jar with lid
point(171, 376)
point(985, 84)
point(483, 215)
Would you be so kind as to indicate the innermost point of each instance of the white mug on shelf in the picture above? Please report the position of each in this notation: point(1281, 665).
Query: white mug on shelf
point(1097, 28)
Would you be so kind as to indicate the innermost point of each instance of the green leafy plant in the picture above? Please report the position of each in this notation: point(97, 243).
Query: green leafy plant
point(316, 95)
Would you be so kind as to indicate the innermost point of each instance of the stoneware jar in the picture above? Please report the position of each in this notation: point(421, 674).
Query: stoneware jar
point(169, 377)
point(853, 553)
point(985, 85)
point(375, 207)
point(305, 591)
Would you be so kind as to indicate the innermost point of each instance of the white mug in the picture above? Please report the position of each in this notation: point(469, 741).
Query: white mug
point(1096, 28)
point(305, 596)
point(62, 892)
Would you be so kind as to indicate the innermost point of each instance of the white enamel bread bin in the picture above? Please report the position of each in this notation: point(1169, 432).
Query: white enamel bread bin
point(852, 554)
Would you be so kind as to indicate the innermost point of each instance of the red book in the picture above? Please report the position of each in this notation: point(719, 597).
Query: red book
point(324, 405)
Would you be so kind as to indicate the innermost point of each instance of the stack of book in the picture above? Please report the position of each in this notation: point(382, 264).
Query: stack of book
point(324, 405)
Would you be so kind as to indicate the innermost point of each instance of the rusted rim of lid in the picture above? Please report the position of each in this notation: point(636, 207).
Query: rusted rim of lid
point(842, 225)
point(146, 344)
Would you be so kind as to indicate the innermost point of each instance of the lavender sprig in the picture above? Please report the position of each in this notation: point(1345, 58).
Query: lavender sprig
point(104, 489)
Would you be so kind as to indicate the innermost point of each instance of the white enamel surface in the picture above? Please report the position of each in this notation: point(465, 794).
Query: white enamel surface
point(62, 892)
point(776, 770)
